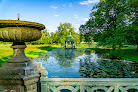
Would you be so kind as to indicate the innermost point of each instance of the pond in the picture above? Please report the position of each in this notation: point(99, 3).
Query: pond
point(86, 63)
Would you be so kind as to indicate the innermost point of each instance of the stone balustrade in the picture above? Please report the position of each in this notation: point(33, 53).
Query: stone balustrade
point(88, 84)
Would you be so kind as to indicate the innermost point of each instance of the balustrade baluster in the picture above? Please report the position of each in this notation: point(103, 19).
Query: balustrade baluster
point(116, 89)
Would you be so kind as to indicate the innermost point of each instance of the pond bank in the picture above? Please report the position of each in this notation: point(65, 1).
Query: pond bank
point(128, 52)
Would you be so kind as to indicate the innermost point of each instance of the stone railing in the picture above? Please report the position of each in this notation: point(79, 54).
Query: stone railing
point(87, 84)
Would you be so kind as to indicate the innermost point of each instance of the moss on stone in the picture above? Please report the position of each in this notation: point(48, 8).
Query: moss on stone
point(18, 23)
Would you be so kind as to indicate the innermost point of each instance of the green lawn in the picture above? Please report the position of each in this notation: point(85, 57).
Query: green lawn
point(31, 51)
point(128, 52)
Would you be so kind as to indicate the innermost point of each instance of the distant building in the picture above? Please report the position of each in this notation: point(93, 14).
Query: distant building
point(70, 42)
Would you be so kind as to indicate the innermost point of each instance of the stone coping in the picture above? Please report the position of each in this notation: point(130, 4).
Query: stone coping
point(88, 79)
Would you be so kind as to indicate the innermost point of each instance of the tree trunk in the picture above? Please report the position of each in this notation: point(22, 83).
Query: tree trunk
point(113, 47)
point(137, 49)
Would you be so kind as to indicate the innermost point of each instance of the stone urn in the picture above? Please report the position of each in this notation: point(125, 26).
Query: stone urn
point(20, 73)
point(19, 32)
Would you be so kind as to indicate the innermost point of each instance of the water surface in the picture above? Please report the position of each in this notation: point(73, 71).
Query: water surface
point(85, 63)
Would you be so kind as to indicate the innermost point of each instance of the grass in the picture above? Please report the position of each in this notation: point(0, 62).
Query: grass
point(32, 51)
point(128, 52)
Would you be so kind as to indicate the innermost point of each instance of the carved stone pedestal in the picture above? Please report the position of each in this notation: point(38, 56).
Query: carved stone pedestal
point(18, 55)
point(20, 73)
point(22, 77)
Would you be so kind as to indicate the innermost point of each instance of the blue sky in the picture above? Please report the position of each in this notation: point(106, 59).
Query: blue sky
point(48, 12)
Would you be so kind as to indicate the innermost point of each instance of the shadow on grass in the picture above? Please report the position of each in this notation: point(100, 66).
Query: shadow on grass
point(47, 48)
point(4, 59)
point(100, 50)
point(34, 53)
point(128, 54)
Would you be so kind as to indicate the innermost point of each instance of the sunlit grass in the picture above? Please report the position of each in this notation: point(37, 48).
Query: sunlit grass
point(32, 51)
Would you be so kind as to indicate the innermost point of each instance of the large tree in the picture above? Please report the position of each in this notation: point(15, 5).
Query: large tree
point(108, 20)
point(63, 32)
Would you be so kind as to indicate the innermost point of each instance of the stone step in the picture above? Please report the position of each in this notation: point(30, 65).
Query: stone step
point(24, 64)
point(30, 69)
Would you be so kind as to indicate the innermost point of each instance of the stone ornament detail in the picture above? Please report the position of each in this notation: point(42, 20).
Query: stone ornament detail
point(19, 34)
point(89, 84)
point(44, 74)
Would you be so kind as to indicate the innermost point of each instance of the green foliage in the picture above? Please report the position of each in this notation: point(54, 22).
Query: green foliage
point(113, 23)
point(59, 36)
point(87, 31)
point(132, 34)
point(62, 32)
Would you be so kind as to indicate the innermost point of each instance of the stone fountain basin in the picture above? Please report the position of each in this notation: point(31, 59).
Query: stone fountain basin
point(20, 31)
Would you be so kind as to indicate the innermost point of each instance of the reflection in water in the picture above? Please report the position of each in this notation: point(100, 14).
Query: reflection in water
point(85, 63)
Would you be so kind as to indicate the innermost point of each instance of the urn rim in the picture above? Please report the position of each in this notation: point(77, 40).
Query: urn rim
point(18, 23)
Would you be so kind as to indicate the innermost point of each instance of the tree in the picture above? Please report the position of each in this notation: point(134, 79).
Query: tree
point(108, 20)
point(87, 31)
point(132, 30)
point(63, 32)
point(82, 38)
point(132, 35)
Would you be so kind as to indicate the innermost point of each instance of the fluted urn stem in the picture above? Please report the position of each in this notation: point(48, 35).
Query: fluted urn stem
point(18, 55)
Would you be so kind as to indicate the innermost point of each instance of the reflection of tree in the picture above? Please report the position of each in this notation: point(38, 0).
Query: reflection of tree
point(64, 56)
point(107, 56)
point(42, 57)
point(88, 51)
point(106, 69)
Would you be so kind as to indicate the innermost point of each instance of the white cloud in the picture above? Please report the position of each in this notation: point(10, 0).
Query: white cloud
point(89, 2)
point(76, 16)
point(85, 19)
point(53, 7)
point(56, 15)
point(70, 4)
